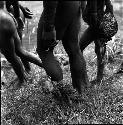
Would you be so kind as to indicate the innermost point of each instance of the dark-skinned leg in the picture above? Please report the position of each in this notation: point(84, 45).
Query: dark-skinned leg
point(7, 46)
point(50, 64)
point(86, 38)
point(100, 52)
point(10, 55)
point(77, 62)
point(19, 30)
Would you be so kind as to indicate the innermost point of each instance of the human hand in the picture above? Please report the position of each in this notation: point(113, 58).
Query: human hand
point(28, 10)
point(28, 14)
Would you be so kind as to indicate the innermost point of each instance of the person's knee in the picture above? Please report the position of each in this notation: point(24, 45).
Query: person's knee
point(51, 65)
point(56, 75)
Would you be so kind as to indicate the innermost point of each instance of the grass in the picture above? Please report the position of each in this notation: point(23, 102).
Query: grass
point(38, 102)
point(34, 104)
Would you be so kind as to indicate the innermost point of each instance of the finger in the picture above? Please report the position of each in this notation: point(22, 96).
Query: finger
point(28, 13)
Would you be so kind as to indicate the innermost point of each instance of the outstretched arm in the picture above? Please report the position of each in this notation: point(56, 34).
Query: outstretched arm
point(49, 32)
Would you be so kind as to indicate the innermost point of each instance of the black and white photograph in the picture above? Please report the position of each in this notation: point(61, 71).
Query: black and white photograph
point(61, 62)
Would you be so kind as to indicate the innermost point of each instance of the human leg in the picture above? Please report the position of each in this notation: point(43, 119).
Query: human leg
point(77, 62)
